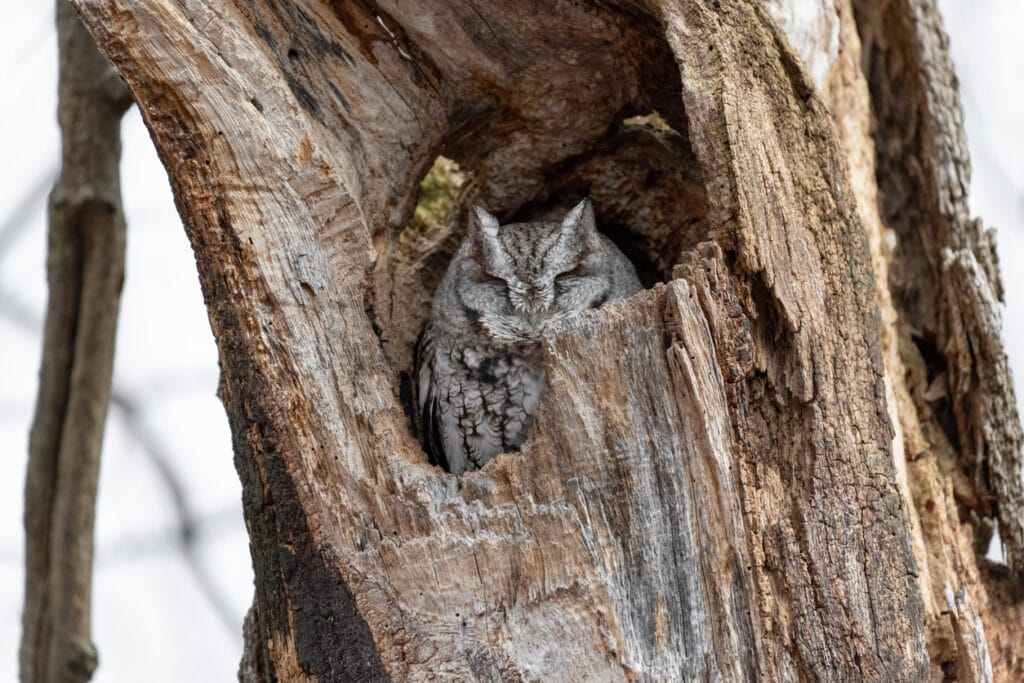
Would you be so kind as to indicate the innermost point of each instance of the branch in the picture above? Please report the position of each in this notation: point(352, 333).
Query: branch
point(85, 272)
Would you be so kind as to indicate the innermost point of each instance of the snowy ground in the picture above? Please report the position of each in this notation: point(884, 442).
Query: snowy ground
point(178, 614)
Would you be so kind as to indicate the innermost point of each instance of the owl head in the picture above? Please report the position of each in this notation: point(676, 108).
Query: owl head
point(532, 274)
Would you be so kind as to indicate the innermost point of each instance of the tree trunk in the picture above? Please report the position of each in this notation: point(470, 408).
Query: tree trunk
point(85, 270)
point(768, 466)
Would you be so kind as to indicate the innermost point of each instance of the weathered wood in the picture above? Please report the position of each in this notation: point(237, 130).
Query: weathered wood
point(960, 432)
point(923, 174)
point(973, 661)
point(713, 486)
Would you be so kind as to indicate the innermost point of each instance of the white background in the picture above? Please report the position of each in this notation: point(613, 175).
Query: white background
point(175, 614)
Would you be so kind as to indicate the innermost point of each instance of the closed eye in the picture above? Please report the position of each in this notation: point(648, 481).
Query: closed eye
point(578, 271)
point(563, 280)
point(492, 280)
point(500, 286)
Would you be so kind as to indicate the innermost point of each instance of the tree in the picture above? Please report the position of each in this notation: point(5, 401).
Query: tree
point(85, 270)
point(784, 462)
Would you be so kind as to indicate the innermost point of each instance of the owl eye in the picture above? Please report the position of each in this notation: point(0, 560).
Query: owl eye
point(564, 280)
point(578, 271)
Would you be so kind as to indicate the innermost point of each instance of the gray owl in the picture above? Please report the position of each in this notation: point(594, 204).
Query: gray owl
point(480, 373)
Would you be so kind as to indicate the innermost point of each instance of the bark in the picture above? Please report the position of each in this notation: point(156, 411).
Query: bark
point(732, 475)
point(961, 433)
point(85, 270)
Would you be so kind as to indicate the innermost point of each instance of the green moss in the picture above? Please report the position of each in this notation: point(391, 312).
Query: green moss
point(438, 192)
point(654, 119)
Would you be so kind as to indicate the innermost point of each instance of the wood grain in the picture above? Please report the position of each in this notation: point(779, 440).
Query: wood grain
point(711, 490)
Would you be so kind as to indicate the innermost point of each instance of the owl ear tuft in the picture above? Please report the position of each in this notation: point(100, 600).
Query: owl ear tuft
point(485, 222)
point(483, 234)
point(579, 223)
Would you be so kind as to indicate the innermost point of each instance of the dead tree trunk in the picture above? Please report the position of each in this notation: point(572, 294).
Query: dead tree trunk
point(767, 467)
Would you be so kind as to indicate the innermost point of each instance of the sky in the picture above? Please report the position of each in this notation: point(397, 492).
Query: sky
point(175, 610)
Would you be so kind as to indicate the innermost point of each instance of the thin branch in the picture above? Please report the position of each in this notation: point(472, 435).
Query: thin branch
point(150, 542)
point(188, 524)
point(85, 272)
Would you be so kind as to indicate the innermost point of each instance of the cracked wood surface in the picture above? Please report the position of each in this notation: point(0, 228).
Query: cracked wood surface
point(711, 489)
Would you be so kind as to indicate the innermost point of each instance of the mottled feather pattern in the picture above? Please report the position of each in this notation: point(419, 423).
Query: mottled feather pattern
point(480, 372)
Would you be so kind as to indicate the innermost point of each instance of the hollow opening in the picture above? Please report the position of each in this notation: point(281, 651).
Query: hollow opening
point(423, 242)
point(523, 154)
point(439, 191)
point(648, 196)
point(647, 190)
point(649, 199)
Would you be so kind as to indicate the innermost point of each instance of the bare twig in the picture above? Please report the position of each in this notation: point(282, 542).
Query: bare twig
point(85, 272)
point(162, 539)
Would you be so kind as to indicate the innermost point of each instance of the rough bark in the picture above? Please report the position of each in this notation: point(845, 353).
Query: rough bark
point(85, 269)
point(716, 486)
point(945, 278)
point(960, 431)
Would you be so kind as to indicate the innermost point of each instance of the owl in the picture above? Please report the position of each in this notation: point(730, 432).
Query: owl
point(479, 368)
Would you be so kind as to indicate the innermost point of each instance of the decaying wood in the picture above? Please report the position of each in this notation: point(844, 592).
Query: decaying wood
point(961, 436)
point(85, 269)
point(973, 661)
point(924, 174)
point(717, 485)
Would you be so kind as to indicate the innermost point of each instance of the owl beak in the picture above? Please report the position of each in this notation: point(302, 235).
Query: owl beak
point(534, 317)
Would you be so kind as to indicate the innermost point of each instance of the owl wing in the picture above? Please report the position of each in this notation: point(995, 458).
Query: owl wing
point(461, 414)
point(438, 425)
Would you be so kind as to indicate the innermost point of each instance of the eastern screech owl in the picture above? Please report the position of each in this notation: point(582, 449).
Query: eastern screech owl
point(479, 363)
